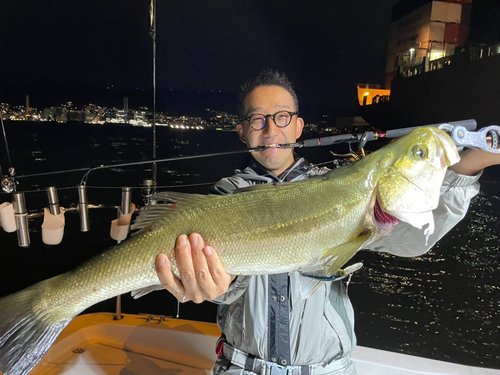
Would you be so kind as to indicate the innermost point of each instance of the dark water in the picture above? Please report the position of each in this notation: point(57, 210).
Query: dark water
point(444, 305)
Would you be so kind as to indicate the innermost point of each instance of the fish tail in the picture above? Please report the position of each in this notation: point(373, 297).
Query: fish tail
point(27, 328)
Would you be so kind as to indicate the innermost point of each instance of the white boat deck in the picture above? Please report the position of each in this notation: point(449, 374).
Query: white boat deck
point(96, 344)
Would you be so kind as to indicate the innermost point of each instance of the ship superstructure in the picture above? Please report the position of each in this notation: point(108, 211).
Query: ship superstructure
point(423, 32)
point(435, 72)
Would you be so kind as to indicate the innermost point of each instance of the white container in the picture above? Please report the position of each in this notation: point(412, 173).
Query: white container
point(7, 218)
point(120, 227)
point(53, 227)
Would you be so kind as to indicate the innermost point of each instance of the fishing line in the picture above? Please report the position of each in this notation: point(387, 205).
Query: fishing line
point(307, 143)
point(91, 169)
point(118, 187)
point(133, 187)
point(6, 143)
point(255, 149)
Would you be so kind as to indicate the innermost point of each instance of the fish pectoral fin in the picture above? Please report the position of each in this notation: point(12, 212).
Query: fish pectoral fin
point(336, 257)
point(138, 293)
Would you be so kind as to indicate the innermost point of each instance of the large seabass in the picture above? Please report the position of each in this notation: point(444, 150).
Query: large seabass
point(312, 226)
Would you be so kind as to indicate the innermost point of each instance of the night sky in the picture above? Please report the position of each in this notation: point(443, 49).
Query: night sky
point(325, 46)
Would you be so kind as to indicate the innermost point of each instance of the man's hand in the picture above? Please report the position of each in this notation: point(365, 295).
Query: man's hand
point(202, 276)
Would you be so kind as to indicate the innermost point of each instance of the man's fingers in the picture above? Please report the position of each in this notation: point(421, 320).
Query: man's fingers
point(201, 274)
point(185, 263)
point(167, 278)
point(219, 275)
point(205, 284)
point(199, 261)
point(211, 277)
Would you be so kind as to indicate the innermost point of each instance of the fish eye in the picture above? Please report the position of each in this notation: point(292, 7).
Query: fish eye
point(419, 152)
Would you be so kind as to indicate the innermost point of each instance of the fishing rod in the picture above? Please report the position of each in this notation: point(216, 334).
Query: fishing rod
point(363, 138)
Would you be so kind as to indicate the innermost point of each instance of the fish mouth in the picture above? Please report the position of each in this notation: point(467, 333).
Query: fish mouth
point(384, 221)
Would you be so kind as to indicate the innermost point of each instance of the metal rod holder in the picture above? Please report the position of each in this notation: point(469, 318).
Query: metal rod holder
point(118, 314)
point(126, 200)
point(83, 208)
point(54, 207)
point(21, 216)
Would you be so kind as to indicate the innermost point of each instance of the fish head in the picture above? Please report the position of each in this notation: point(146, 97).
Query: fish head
point(409, 188)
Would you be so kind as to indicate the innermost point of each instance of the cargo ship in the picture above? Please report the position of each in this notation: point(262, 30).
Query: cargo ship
point(443, 64)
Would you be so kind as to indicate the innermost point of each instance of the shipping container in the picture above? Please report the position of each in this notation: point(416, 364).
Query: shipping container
point(446, 12)
point(456, 33)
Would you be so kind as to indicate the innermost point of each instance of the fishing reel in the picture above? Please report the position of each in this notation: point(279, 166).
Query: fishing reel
point(148, 190)
point(8, 183)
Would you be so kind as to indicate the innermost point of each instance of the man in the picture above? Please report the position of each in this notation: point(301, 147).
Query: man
point(264, 323)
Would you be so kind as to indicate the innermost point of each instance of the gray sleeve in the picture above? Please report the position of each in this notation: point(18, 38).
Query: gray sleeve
point(456, 193)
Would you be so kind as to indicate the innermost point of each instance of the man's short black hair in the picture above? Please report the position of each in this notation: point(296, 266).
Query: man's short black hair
point(268, 77)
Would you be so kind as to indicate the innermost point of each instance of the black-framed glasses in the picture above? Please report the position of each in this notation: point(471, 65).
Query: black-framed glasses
point(258, 122)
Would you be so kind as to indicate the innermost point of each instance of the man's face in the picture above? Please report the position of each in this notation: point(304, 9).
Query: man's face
point(267, 100)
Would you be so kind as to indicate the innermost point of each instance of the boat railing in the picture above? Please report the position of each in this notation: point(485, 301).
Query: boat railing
point(469, 53)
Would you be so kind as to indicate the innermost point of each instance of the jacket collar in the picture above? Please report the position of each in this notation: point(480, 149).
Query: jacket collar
point(299, 167)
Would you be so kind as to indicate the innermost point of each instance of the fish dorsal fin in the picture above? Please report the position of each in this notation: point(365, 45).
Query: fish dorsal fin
point(167, 204)
point(167, 197)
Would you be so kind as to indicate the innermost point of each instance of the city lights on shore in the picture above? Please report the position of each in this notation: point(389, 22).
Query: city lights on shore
point(94, 114)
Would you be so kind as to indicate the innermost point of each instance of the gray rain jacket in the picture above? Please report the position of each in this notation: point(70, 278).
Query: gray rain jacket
point(261, 315)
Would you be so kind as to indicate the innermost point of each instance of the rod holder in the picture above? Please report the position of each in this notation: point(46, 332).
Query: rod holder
point(83, 208)
point(21, 216)
point(118, 313)
point(126, 200)
point(54, 207)
point(120, 226)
